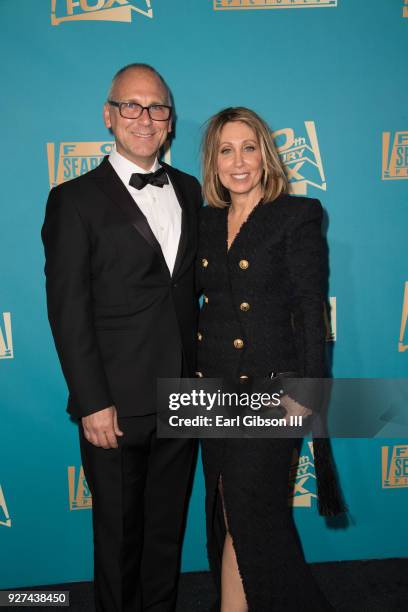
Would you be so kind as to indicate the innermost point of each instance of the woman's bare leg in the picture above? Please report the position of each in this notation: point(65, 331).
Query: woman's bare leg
point(232, 590)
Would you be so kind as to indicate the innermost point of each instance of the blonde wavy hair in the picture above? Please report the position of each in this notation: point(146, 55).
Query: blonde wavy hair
point(274, 180)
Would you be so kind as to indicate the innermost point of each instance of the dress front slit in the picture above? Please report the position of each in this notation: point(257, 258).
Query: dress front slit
point(271, 564)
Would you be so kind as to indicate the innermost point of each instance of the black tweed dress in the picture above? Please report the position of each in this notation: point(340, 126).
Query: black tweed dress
point(262, 313)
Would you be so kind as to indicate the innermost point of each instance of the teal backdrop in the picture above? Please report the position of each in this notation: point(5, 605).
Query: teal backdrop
point(330, 78)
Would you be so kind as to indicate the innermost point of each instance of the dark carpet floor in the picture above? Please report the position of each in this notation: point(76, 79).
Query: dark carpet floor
point(351, 586)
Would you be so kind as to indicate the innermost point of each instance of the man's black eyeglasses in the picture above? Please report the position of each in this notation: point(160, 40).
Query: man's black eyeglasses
point(132, 110)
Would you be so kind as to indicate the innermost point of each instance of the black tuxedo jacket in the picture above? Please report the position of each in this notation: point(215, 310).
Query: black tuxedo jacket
point(119, 319)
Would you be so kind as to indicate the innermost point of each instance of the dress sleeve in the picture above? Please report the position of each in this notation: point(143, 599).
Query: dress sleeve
point(307, 269)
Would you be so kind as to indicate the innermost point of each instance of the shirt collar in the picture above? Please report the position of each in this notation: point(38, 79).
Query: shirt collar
point(125, 168)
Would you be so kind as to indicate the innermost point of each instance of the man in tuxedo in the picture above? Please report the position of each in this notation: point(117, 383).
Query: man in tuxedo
point(120, 244)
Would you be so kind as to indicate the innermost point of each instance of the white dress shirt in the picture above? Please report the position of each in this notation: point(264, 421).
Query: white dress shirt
point(159, 205)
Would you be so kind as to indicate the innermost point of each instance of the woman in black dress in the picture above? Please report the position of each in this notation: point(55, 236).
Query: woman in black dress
point(261, 269)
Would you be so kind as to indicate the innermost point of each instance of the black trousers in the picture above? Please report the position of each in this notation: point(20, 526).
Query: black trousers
point(139, 496)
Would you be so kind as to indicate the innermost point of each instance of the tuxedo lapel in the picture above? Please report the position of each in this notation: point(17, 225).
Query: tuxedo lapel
point(114, 188)
point(182, 198)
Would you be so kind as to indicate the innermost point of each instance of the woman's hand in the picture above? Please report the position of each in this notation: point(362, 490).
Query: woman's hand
point(293, 408)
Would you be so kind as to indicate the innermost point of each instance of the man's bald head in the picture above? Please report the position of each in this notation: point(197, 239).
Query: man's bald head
point(139, 67)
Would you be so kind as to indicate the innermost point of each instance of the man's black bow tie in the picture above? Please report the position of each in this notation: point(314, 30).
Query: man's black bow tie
point(158, 179)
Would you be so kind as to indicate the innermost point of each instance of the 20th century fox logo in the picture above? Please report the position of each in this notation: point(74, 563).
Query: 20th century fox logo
point(330, 319)
point(6, 337)
point(394, 466)
point(222, 5)
point(394, 156)
point(79, 494)
point(98, 10)
point(300, 154)
point(5, 519)
point(302, 479)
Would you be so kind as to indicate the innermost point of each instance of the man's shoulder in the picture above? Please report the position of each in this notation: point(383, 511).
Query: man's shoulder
point(81, 192)
point(78, 183)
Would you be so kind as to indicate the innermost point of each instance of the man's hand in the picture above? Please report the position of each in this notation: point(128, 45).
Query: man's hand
point(293, 408)
point(101, 428)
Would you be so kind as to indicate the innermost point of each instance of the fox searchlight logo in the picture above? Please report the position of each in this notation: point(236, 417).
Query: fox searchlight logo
point(80, 497)
point(98, 10)
point(245, 5)
point(394, 156)
point(300, 154)
point(77, 158)
point(402, 344)
point(74, 159)
point(394, 466)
